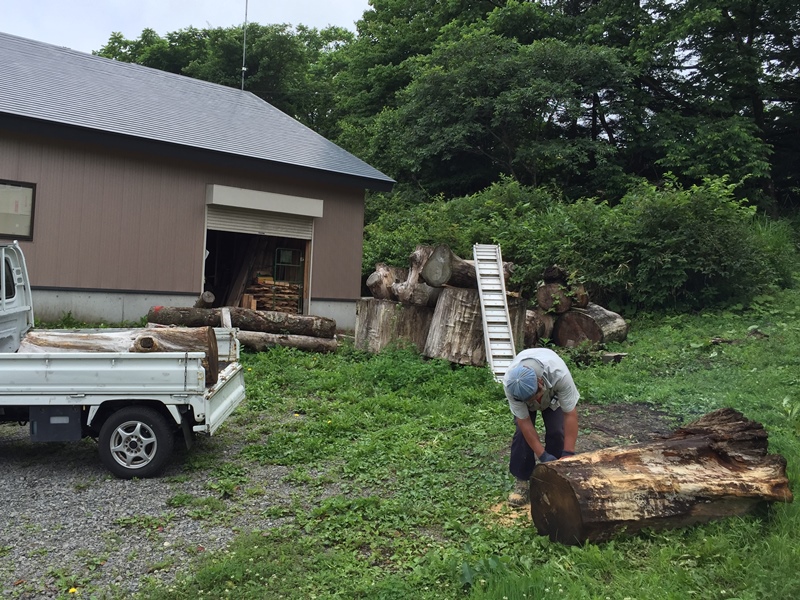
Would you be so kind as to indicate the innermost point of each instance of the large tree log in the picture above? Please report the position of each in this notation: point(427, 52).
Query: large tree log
point(380, 323)
point(456, 332)
point(182, 339)
point(265, 321)
point(445, 268)
point(259, 341)
point(712, 468)
point(380, 282)
point(593, 324)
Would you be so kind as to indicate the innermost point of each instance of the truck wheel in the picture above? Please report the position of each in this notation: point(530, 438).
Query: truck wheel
point(135, 441)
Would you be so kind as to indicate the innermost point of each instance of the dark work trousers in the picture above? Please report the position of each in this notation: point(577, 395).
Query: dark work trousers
point(523, 459)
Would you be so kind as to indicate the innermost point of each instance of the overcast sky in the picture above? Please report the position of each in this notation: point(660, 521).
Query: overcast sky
point(86, 25)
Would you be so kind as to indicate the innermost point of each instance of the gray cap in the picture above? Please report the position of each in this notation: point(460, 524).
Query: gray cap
point(521, 382)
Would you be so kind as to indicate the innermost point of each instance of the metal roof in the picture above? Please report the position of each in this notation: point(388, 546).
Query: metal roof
point(51, 83)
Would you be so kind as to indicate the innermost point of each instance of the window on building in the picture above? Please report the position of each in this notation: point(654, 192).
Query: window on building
point(16, 209)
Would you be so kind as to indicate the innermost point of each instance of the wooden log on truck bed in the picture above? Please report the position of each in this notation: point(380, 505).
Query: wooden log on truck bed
point(265, 321)
point(172, 339)
point(715, 467)
point(259, 341)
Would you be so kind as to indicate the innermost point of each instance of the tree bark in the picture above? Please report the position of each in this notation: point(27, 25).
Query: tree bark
point(712, 468)
point(380, 282)
point(182, 339)
point(260, 341)
point(553, 297)
point(593, 324)
point(265, 321)
point(445, 268)
point(380, 323)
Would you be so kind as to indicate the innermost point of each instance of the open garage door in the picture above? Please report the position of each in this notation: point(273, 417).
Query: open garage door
point(258, 252)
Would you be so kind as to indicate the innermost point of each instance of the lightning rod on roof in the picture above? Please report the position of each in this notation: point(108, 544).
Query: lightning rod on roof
point(244, 43)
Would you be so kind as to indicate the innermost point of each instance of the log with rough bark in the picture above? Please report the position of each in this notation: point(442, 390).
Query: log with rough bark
point(593, 324)
point(553, 297)
point(178, 339)
point(381, 280)
point(456, 332)
point(260, 341)
point(380, 323)
point(445, 268)
point(417, 259)
point(715, 467)
point(265, 321)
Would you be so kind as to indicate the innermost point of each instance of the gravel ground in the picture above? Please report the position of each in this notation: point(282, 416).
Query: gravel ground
point(67, 523)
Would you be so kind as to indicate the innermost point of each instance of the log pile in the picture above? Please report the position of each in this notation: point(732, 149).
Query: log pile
point(564, 315)
point(258, 329)
point(433, 304)
point(715, 467)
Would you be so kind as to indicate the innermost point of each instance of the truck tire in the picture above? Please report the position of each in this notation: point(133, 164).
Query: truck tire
point(135, 441)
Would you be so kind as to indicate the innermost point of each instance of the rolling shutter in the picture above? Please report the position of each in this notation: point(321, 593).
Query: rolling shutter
point(259, 222)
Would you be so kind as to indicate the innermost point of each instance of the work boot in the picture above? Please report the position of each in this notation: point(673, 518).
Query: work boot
point(521, 494)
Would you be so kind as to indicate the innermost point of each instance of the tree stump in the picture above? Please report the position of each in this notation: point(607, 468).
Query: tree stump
point(593, 324)
point(380, 323)
point(538, 326)
point(456, 331)
point(712, 468)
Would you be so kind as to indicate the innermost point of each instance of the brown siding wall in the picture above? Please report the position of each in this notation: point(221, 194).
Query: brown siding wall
point(125, 222)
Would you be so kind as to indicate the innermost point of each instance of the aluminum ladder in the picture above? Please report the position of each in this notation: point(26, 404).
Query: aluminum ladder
point(497, 333)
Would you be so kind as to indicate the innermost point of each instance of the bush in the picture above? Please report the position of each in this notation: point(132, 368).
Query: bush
point(658, 247)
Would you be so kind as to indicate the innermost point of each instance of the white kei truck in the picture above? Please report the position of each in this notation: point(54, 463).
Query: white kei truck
point(133, 404)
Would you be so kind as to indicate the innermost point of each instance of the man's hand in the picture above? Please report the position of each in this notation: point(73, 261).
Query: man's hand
point(546, 457)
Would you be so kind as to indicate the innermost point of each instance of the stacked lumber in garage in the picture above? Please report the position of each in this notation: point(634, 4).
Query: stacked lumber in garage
point(432, 304)
point(565, 316)
point(264, 293)
point(258, 329)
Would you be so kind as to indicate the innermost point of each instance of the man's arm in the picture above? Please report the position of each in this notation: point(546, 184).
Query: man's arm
point(530, 435)
point(570, 430)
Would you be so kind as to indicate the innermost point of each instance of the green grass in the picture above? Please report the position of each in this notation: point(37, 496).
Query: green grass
point(413, 455)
